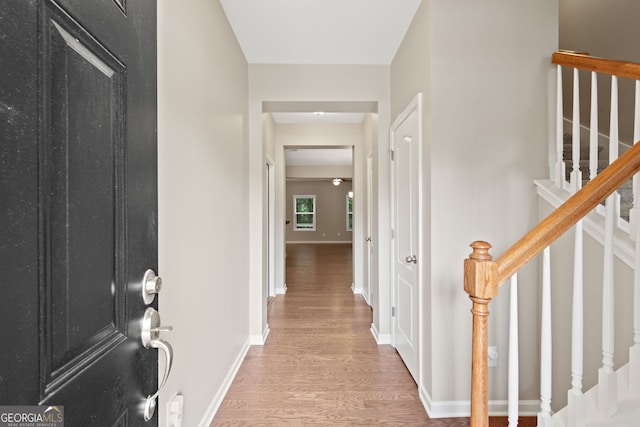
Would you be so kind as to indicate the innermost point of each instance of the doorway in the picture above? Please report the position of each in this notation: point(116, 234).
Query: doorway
point(406, 150)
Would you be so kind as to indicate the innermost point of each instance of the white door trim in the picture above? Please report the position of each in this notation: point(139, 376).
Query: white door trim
point(414, 105)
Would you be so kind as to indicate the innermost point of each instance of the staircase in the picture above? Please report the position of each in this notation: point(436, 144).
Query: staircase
point(615, 399)
point(625, 191)
point(628, 414)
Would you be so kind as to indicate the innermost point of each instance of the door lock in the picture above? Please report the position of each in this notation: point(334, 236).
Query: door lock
point(151, 285)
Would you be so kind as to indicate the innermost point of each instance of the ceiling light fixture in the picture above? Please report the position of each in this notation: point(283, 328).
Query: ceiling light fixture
point(336, 181)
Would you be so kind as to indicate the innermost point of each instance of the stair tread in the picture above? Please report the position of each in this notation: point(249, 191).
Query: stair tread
point(628, 407)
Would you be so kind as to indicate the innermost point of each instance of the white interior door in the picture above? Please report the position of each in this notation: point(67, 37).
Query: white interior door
point(369, 245)
point(271, 224)
point(405, 140)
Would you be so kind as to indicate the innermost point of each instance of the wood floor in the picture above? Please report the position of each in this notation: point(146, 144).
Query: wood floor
point(320, 365)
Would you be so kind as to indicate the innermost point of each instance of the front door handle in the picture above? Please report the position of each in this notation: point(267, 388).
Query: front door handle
point(151, 339)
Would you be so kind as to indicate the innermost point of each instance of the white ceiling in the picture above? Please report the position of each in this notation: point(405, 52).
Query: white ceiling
point(320, 31)
point(318, 156)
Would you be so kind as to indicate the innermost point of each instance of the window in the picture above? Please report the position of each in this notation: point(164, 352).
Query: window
point(350, 211)
point(304, 213)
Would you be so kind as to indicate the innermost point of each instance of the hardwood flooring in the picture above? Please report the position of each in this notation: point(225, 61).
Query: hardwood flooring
point(320, 365)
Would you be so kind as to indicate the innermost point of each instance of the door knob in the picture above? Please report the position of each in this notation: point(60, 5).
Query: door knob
point(367, 239)
point(150, 336)
point(411, 259)
point(151, 285)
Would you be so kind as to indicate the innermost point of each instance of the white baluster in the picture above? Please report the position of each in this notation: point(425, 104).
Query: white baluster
point(633, 212)
point(560, 167)
point(593, 128)
point(607, 384)
point(634, 352)
point(614, 139)
point(514, 369)
point(544, 416)
point(576, 402)
point(576, 176)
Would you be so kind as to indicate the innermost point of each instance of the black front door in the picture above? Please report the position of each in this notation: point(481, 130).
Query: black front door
point(78, 206)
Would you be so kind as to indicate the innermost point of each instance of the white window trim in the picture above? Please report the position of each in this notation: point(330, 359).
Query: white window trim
point(295, 212)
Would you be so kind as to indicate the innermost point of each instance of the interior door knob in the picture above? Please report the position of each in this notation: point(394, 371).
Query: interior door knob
point(411, 259)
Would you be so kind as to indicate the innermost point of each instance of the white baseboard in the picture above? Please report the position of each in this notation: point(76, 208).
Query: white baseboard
point(356, 290)
point(366, 299)
point(461, 408)
point(380, 338)
point(317, 242)
point(282, 290)
point(260, 339)
point(224, 387)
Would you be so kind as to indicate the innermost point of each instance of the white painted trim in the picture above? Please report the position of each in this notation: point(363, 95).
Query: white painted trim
point(357, 290)
point(213, 407)
point(414, 106)
point(282, 290)
point(318, 242)
point(260, 339)
point(623, 246)
point(380, 339)
point(461, 408)
point(366, 299)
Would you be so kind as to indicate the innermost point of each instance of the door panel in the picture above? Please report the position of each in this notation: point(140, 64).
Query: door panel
point(83, 203)
point(405, 140)
point(406, 298)
point(79, 227)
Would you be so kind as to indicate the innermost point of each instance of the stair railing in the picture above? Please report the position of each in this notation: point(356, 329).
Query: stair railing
point(483, 276)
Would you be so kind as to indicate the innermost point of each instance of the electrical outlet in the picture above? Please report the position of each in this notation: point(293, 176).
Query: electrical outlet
point(492, 356)
point(174, 409)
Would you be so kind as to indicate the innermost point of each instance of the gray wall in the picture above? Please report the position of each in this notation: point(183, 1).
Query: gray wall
point(484, 69)
point(607, 29)
point(203, 200)
point(330, 211)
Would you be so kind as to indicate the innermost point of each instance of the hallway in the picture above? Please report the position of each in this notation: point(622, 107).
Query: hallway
point(320, 364)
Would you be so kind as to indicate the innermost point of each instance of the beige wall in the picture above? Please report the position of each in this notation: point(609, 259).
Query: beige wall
point(203, 200)
point(487, 83)
point(330, 211)
point(410, 74)
point(608, 29)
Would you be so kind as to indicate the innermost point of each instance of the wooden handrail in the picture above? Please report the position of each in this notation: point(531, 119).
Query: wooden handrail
point(569, 213)
point(483, 276)
point(630, 70)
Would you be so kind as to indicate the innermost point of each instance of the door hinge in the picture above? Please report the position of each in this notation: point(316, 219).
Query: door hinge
point(393, 312)
point(392, 157)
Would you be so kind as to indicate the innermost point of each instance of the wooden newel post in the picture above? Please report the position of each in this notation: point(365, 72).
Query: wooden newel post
point(481, 283)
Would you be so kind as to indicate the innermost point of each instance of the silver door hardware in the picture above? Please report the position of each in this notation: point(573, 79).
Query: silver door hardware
point(150, 336)
point(411, 259)
point(151, 285)
point(367, 239)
